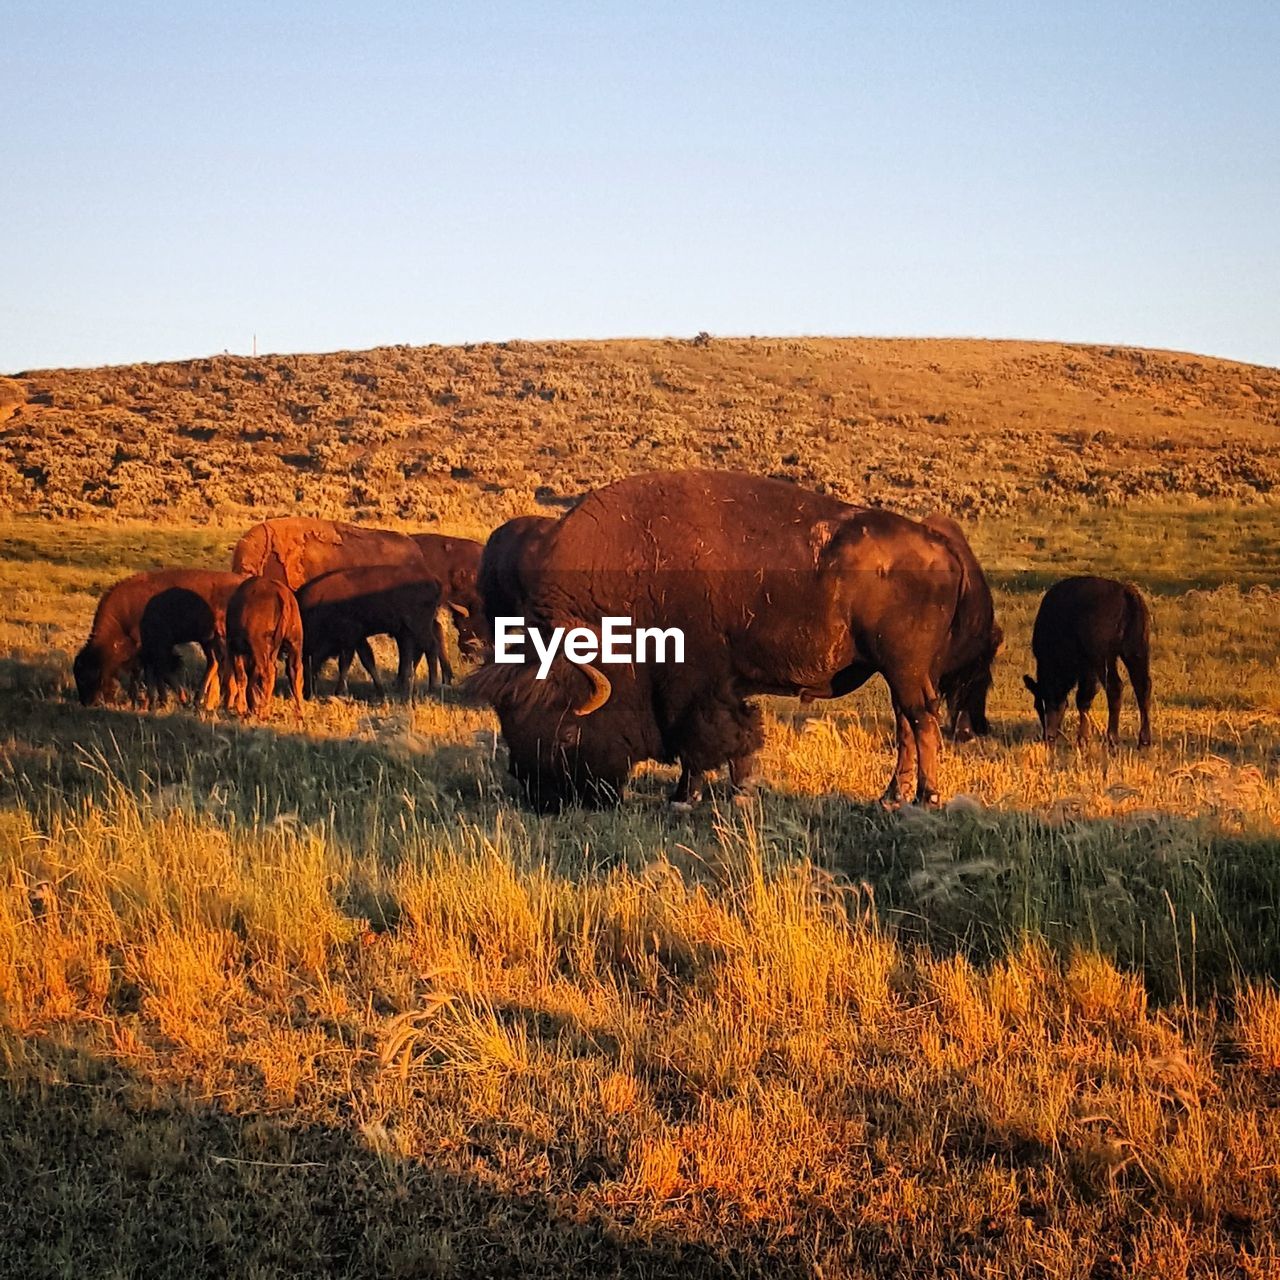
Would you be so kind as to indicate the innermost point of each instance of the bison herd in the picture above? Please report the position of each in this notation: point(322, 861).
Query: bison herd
point(776, 590)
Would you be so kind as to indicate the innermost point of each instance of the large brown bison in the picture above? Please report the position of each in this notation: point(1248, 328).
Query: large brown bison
point(193, 611)
point(341, 610)
point(1083, 628)
point(297, 549)
point(263, 625)
point(777, 590)
point(505, 566)
point(115, 639)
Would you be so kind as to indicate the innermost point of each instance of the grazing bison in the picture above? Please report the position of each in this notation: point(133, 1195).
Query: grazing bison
point(455, 564)
point(509, 555)
point(263, 625)
point(1084, 626)
point(777, 590)
point(193, 611)
point(341, 610)
point(975, 640)
point(115, 640)
point(297, 549)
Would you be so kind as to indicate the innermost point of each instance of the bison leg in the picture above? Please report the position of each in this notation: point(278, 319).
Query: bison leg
point(688, 790)
point(237, 685)
point(409, 656)
point(313, 660)
point(919, 746)
point(293, 671)
point(442, 654)
point(1115, 695)
point(262, 670)
point(345, 658)
point(1085, 694)
point(742, 771)
point(905, 770)
point(365, 654)
point(1140, 677)
point(215, 660)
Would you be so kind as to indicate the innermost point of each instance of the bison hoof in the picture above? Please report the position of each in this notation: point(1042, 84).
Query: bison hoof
point(744, 797)
point(928, 800)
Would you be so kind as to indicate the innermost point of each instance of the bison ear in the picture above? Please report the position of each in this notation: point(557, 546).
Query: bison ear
point(1031, 684)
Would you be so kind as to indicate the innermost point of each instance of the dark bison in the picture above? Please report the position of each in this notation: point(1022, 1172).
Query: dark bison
point(505, 567)
point(341, 610)
point(297, 549)
point(263, 625)
point(1083, 628)
point(455, 564)
point(115, 639)
point(191, 612)
point(777, 590)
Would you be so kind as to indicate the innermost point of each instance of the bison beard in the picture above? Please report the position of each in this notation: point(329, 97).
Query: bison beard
point(778, 591)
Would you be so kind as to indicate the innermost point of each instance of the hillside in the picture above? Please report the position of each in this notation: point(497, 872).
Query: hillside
point(468, 435)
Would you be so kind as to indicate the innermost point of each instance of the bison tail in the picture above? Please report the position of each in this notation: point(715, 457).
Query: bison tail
point(1137, 620)
point(282, 625)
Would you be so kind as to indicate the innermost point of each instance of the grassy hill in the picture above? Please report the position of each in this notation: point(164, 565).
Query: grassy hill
point(470, 435)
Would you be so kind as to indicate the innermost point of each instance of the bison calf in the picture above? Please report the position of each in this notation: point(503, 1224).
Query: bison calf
point(263, 625)
point(192, 611)
point(1084, 627)
point(341, 610)
point(455, 562)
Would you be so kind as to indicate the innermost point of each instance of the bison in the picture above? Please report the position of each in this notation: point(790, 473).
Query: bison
point(777, 590)
point(341, 610)
point(505, 566)
point(297, 549)
point(455, 564)
point(115, 639)
point(193, 611)
point(1084, 627)
point(263, 624)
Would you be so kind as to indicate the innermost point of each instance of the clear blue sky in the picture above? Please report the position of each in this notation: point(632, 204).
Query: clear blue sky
point(178, 177)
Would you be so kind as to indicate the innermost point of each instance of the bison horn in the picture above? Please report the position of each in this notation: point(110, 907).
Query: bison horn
point(600, 691)
point(461, 610)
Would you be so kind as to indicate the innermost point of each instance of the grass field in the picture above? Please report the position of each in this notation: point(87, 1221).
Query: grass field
point(325, 1000)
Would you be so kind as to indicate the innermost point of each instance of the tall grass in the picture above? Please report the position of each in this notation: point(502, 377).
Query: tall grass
point(327, 1002)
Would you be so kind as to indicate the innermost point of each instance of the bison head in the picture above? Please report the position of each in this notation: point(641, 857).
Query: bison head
point(87, 670)
point(97, 667)
point(966, 693)
point(569, 737)
point(1050, 708)
point(469, 624)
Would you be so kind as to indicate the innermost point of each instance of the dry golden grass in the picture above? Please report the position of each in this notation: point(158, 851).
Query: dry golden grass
point(467, 436)
point(328, 1002)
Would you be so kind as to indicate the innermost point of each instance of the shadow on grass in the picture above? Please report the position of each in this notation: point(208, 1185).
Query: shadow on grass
point(1184, 902)
point(103, 1173)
